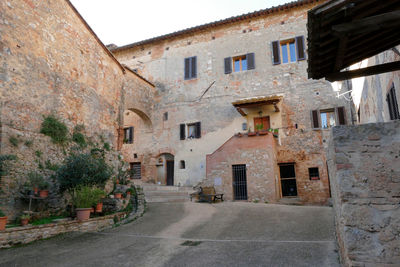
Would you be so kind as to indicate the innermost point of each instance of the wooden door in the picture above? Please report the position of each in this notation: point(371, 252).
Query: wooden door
point(264, 121)
point(170, 172)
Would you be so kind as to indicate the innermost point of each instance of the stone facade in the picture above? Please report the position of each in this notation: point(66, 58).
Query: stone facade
point(365, 181)
point(373, 104)
point(208, 99)
point(52, 63)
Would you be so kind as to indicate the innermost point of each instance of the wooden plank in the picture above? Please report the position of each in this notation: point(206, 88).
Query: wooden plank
point(373, 70)
point(342, 49)
point(241, 112)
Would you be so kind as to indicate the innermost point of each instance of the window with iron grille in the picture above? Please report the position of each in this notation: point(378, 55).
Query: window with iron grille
point(391, 99)
point(136, 170)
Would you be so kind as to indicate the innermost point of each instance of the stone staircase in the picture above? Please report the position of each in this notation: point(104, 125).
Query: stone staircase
point(161, 193)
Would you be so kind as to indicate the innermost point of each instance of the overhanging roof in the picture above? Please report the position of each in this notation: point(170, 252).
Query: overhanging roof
point(252, 102)
point(344, 32)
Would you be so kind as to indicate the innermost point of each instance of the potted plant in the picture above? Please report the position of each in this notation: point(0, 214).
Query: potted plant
point(276, 131)
point(84, 198)
point(44, 189)
point(25, 219)
point(3, 220)
point(35, 180)
point(130, 191)
point(118, 194)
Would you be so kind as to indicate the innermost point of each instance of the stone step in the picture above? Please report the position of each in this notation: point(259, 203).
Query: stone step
point(153, 199)
point(147, 188)
point(166, 193)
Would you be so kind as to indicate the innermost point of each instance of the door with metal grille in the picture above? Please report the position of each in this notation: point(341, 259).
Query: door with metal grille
point(239, 182)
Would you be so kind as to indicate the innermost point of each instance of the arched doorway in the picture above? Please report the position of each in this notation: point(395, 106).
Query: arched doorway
point(165, 169)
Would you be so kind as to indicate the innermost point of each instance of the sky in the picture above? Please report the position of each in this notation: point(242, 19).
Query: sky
point(127, 21)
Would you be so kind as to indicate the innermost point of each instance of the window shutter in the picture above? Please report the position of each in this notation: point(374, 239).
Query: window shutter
point(183, 135)
point(341, 116)
point(301, 53)
point(130, 135)
point(194, 67)
point(275, 53)
point(228, 65)
point(315, 119)
point(198, 130)
point(187, 68)
point(250, 61)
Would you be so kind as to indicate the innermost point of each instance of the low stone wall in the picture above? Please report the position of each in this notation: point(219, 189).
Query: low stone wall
point(26, 234)
point(365, 182)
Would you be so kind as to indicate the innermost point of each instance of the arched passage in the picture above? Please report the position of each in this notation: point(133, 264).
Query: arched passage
point(145, 118)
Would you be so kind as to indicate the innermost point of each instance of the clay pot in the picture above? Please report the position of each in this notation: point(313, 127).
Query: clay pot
point(118, 195)
point(128, 193)
point(24, 222)
point(44, 193)
point(251, 133)
point(3, 222)
point(91, 210)
point(35, 190)
point(99, 207)
point(83, 214)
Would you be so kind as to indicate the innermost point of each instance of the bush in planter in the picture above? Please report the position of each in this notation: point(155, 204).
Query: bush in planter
point(83, 169)
point(35, 180)
point(84, 198)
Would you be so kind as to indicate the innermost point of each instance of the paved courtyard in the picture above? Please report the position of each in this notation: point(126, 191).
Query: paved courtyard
point(196, 234)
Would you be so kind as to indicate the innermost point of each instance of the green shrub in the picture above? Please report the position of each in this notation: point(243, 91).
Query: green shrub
point(28, 143)
point(57, 130)
point(86, 196)
point(2, 214)
point(35, 179)
point(50, 166)
point(13, 141)
point(79, 138)
point(3, 166)
point(46, 220)
point(82, 169)
point(44, 185)
point(106, 146)
point(38, 153)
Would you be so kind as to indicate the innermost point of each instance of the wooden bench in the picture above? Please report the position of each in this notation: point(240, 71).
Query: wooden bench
point(207, 194)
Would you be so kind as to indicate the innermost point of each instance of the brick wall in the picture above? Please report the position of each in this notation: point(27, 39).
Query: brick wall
point(365, 181)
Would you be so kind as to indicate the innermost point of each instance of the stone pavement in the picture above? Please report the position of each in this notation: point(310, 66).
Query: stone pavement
point(196, 234)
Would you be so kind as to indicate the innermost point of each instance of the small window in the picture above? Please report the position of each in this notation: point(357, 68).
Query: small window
point(239, 63)
point(288, 51)
point(391, 99)
point(135, 156)
point(165, 116)
point(128, 135)
point(314, 173)
point(328, 118)
point(244, 126)
point(136, 170)
point(182, 164)
point(190, 68)
point(191, 130)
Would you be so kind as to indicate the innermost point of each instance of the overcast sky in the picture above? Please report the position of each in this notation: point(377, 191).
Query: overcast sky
point(127, 21)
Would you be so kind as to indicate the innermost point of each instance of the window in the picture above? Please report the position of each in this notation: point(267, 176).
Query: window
point(128, 135)
point(191, 130)
point(288, 179)
point(327, 118)
point(239, 63)
point(190, 68)
point(392, 104)
point(288, 51)
point(165, 116)
point(136, 170)
point(182, 164)
point(314, 173)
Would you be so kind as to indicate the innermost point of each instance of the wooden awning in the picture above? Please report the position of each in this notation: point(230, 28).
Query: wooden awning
point(344, 32)
point(254, 102)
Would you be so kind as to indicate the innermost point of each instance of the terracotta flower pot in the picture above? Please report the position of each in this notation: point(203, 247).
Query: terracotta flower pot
point(118, 195)
point(3, 222)
point(24, 222)
point(128, 193)
point(44, 193)
point(83, 214)
point(251, 133)
point(91, 210)
point(99, 207)
point(35, 190)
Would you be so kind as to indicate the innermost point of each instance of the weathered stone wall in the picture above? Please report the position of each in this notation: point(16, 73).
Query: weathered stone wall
point(52, 63)
point(162, 62)
point(258, 153)
point(373, 105)
point(365, 180)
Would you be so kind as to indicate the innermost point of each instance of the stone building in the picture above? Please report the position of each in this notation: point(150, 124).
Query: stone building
point(234, 109)
point(53, 63)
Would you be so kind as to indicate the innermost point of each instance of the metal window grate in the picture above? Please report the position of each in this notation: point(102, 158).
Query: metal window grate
point(239, 182)
point(136, 170)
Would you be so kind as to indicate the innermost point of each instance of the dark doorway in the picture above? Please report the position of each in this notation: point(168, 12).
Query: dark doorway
point(170, 172)
point(288, 180)
point(239, 182)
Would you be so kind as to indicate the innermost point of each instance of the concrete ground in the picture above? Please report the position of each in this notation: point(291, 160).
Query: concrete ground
point(196, 234)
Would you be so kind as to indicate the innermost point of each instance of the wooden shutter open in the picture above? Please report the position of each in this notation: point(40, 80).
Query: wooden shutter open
point(250, 61)
point(194, 67)
point(315, 119)
point(276, 59)
point(198, 130)
point(301, 53)
point(228, 65)
point(182, 132)
point(187, 68)
point(341, 116)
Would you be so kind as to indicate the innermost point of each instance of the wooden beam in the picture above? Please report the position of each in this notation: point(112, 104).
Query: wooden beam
point(241, 112)
point(377, 69)
point(342, 49)
point(369, 24)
